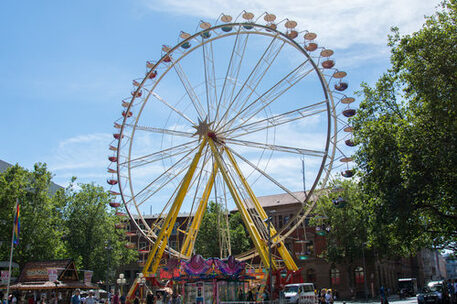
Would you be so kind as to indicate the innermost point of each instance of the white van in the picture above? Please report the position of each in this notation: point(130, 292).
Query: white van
point(300, 293)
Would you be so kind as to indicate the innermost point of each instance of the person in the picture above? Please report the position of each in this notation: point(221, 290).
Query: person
point(76, 299)
point(328, 297)
point(90, 299)
point(116, 298)
point(250, 297)
point(159, 299)
point(31, 300)
point(382, 293)
point(122, 299)
point(240, 295)
point(149, 298)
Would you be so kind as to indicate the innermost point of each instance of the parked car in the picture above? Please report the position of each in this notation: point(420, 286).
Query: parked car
point(434, 292)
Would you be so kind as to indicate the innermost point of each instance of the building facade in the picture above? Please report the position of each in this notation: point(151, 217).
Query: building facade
point(307, 245)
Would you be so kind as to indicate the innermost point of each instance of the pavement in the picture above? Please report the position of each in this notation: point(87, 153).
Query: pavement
point(392, 299)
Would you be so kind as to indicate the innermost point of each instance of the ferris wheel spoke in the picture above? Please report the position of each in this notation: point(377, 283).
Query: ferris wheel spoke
point(279, 148)
point(210, 76)
point(264, 174)
point(272, 94)
point(157, 96)
point(160, 155)
point(166, 174)
point(255, 77)
point(162, 131)
point(278, 120)
point(189, 89)
point(233, 70)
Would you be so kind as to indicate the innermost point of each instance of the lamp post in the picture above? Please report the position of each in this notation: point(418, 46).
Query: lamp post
point(121, 282)
point(364, 272)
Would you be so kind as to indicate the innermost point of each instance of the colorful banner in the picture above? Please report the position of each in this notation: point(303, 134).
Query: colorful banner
point(88, 276)
point(52, 274)
point(5, 277)
point(17, 225)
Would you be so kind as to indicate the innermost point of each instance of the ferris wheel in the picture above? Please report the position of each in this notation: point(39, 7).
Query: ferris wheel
point(228, 114)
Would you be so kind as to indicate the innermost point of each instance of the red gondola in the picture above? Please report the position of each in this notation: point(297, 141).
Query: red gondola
point(113, 192)
point(153, 75)
point(121, 214)
point(112, 182)
point(348, 173)
point(111, 170)
point(328, 64)
point(129, 114)
point(349, 143)
point(129, 245)
point(341, 86)
point(292, 34)
point(150, 64)
point(114, 204)
point(112, 159)
point(310, 47)
point(167, 59)
point(112, 148)
point(117, 136)
point(137, 94)
point(349, 112)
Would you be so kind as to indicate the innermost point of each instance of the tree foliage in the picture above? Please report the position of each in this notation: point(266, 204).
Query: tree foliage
point(73, 222)
point(406, 128)
point(211, 233)
point(41, 216)
point(91, 238)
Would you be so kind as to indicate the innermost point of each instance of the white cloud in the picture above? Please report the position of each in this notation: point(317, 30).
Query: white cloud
point(83, 156)
point(339, 24)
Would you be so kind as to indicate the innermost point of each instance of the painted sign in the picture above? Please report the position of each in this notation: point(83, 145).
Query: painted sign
point(52, 274)
point(88, 276)
point(5, 274)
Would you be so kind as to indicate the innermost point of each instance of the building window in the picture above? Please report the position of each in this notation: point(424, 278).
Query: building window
point(334, 275)
point(359, 275)
point(311, 275)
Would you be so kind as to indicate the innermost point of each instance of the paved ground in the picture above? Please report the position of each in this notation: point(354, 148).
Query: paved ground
point(394, 299)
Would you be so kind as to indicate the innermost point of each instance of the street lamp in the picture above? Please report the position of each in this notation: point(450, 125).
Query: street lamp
point(121, 282)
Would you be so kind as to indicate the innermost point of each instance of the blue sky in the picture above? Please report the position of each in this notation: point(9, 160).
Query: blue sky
point(66, 65)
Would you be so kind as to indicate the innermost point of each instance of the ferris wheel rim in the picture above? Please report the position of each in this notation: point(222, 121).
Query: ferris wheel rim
point(329, 103)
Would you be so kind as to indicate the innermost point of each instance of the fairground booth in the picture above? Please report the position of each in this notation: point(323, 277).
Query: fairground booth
point(48, 279)
point(212, 280)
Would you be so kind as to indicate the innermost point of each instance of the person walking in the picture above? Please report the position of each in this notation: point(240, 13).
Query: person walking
point(76, 299)
point(90, 299)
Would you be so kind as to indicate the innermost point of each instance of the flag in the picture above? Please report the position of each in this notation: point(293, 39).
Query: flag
point(17, 225)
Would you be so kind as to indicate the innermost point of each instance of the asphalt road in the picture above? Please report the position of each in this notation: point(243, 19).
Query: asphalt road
point(396, 300)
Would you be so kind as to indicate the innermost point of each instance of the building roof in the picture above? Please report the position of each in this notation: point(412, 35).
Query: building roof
point(38, 271)
point(53, 187)
point(280, 200)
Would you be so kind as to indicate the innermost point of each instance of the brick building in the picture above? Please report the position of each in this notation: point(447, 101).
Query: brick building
point(306, 245)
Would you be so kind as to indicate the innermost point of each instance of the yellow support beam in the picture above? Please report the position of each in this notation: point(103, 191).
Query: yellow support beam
point(282, 250)
point(161, 242)
point(191, 236)
point(250, 226)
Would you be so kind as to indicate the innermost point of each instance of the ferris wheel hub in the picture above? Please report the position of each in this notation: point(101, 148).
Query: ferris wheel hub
point(204, 130)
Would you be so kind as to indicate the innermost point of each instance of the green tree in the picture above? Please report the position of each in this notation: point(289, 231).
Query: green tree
point(407, 130)
point(40, 216)
point(343, 210)
point(212, 229)
point(90, 229)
